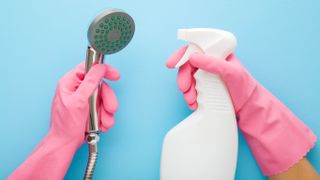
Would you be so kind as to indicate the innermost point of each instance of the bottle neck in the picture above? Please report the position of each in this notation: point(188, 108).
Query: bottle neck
point(212, 94)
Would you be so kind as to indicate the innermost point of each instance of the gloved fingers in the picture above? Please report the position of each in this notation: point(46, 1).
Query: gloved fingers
point(106, 120)
point(209, 63)
point(232, 58)
point(72, 79)
point(91, 81)
point(80, 67)
point(185, 76)
point(174, 59)
point(193, 106)
point(109, 99)
point(111, 73)
point(191, 95)
point(99, 99)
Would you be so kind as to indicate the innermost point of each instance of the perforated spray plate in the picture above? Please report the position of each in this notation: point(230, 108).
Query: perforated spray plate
point(111, 31)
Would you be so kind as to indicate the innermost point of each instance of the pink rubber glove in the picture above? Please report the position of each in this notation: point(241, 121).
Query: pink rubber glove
point(69, 118)
point(276, 137)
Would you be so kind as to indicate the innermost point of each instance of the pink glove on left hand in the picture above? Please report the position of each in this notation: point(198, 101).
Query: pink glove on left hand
point(69, 118)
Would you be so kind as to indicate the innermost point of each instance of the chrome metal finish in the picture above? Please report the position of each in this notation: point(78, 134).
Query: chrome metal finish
point(93, 138)
point(93, 155)
point(93, 57)
point(92, 135)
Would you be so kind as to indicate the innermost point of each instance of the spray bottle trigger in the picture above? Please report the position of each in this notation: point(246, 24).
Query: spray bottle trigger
point(192, 48)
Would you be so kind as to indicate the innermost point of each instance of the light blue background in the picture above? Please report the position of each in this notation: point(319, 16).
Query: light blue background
point(278, 41)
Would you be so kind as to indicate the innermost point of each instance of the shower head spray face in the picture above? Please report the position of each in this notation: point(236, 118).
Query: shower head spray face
point(111, 31)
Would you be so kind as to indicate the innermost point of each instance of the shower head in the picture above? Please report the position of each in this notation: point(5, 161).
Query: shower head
point(111, 31)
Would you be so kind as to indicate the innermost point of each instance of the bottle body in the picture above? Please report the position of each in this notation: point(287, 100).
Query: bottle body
point(204, 145)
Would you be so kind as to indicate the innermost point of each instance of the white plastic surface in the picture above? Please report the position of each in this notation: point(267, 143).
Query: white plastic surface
point(204, 146)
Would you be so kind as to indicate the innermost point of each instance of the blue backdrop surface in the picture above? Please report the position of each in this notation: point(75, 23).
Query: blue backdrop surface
point(278, 42)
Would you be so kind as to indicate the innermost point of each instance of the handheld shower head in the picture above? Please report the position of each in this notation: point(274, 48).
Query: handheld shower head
point(111, 31)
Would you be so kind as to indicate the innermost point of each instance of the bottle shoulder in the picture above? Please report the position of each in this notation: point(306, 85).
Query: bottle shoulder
point(204, 124)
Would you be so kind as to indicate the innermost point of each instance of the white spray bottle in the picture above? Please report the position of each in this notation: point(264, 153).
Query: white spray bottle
point(204, 146)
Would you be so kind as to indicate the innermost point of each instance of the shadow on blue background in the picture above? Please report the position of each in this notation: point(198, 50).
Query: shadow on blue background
point(278, 41)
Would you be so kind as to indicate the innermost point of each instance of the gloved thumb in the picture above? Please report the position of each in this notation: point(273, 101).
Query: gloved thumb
point(175, 58)
point(209, 63)
point(91, 81)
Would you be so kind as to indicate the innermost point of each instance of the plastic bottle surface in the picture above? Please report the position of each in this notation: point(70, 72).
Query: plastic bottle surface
point(204, 146)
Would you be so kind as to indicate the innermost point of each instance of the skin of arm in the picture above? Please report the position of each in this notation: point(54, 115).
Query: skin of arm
point(303, 170)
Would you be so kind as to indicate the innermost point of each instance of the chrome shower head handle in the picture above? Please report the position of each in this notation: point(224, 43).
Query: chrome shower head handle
point(109, 32)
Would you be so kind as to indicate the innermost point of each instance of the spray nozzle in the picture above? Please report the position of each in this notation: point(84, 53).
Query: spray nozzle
point(212, 42)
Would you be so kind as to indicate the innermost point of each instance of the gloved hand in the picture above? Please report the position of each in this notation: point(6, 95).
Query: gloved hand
point(69, 118)
point(276, 137)
point(70, 107)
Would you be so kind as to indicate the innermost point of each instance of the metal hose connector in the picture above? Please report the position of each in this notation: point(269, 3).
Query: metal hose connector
point(92, 159)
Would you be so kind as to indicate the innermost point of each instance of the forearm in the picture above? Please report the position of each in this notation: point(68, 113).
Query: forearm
point(303, 170)
point(277, 138)
point(50, 160)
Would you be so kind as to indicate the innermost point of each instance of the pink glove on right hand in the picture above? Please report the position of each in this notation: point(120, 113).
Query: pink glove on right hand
point(70, 107)
point(276, 137)
point(69, 119)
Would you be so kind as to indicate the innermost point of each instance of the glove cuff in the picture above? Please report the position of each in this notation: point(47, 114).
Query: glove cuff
point(277, 138)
